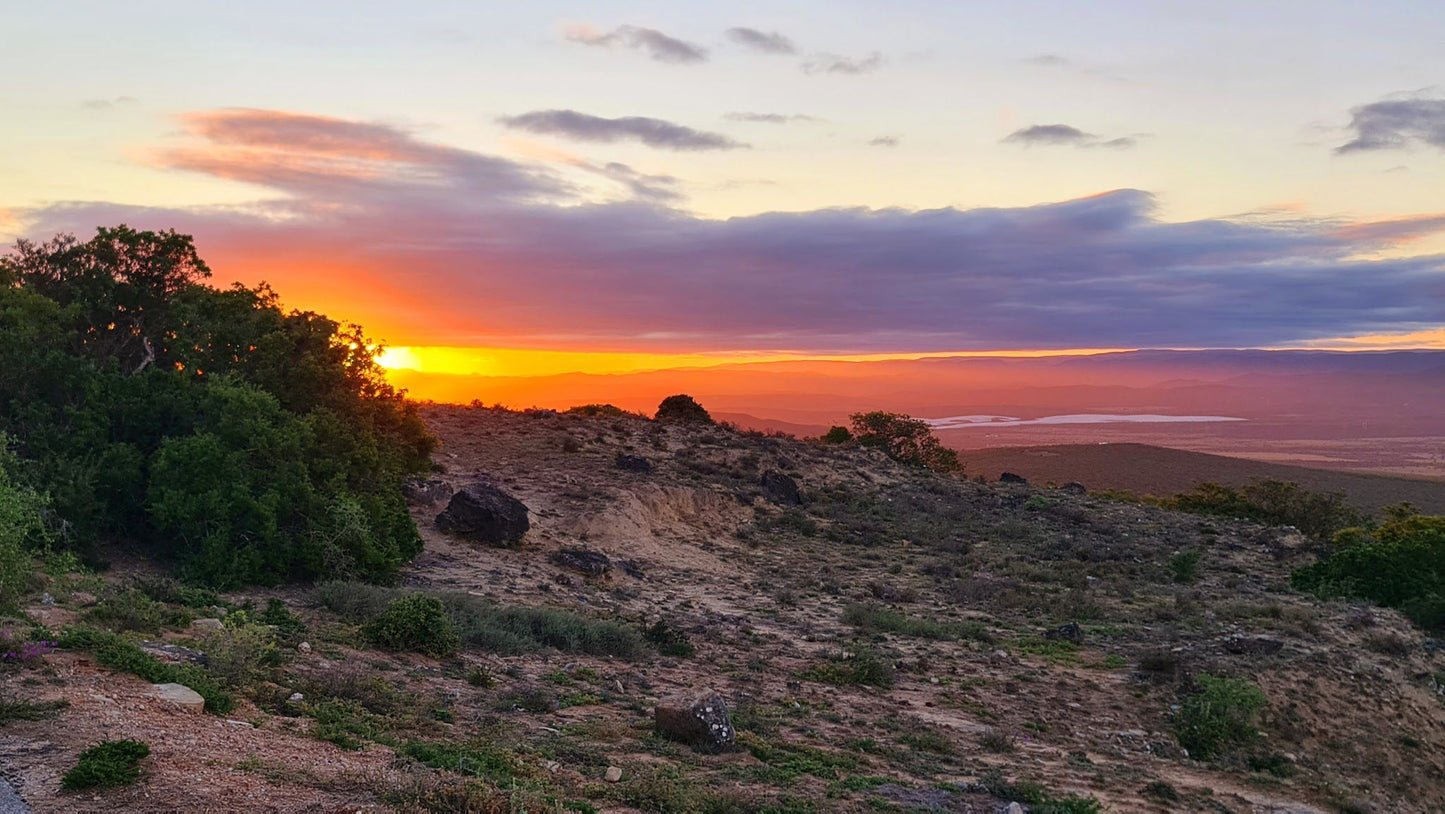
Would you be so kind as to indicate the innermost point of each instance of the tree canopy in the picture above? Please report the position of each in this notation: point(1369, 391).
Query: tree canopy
point(206, 425)
point(906, 439)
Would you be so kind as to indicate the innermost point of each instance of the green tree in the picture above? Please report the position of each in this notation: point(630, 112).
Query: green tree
point(1399, 565)
point(905, 439)
point(247, 442)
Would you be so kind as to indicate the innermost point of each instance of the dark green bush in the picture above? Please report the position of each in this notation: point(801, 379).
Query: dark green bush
point(20, 529)
point(859, 665)
point(247, 443)
point(836, 435)
point(1219, 716)
point(415, 622)
point(1184, 566)
point(682, 408)
point(106, 765)
point(905, 439)
point(1400, 565)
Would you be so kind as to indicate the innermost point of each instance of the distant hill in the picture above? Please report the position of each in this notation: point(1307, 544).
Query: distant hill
point(1162, 471)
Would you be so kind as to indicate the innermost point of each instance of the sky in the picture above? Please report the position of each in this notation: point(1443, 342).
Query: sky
point(508, 188)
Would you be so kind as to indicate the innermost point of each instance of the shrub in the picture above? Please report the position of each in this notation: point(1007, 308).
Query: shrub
point(670, 639)
point(600, 410)
point(106, 765)
point(1184, 566)
point(905, 439)
point(874, 618)
point(1397, 566)
point(1219, 716)
point(239, 652)
point(415, 622)
point(20, 526)
point(836, 435)
point(683, 408)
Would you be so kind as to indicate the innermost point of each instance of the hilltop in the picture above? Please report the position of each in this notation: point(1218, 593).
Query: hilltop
point(900, 640)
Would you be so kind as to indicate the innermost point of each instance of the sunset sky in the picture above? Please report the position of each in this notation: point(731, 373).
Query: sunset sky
point(508, 188)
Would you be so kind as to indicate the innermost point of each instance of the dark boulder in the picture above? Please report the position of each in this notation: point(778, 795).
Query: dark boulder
point(1009, 477)
point(1074, 488)
point(780, 489)
point(482, 512)
point(633, 463)
point(426, 491)
point(701, 722)
point(591, 563)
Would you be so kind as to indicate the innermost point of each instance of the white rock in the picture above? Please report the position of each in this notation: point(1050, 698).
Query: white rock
point(296, 697)
point(180, 695)
point(304, 647)
point(1014, 808)
point(207, 624)
point(613, 775)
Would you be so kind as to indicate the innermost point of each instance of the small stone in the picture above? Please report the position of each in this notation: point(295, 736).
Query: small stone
point(304, 647)
point(180, 695)
point(613, 775)
point(1014, 808)
point(296, 698)
point(46, 598)
point(81, 599)
point(551, 765)
point(207, 624)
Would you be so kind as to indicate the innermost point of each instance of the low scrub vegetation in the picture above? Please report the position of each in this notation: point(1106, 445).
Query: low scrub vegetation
point(485, 625)
point(906, 439)
point(106, 765)
point(1398, 565)
point(1270, 501)
point(414, 622)
point(113, 651)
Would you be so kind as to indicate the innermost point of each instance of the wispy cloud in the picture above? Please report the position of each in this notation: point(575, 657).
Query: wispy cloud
point(764, 42)
point(652, 132)
point(1063, 135)
point(835, 64)
point(109, 104)
point(884, 141)
point(770, 118)
point(430, 244)
point(1393, 124)
point(656, 44)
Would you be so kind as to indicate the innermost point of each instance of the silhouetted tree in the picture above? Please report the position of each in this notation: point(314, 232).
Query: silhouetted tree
point(905, 439)
point(682, 407)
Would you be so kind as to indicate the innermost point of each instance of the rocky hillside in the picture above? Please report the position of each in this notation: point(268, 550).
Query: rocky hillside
point(881, 637)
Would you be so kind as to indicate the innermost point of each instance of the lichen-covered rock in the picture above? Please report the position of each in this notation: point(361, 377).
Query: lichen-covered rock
point(780, 489)
point(482, 512)
point(701, 722)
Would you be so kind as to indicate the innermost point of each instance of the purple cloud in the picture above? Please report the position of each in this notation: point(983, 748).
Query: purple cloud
point(465, 248)
point(652, 132)
point(1396, 123)
point(658, 45)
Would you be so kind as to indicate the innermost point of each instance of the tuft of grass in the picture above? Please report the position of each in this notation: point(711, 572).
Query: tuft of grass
point(29, 710)
point(861, 665)
point(415, 622)
point(106, 765)
point(1184, 566)
point(477, 758)
point(1038, 798)
point(670, 640)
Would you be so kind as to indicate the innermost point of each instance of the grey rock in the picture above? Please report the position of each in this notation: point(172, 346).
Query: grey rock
point(482, 512)
point(175, 652)
point(1066, 633)
point(585, 561)
point(1074, 488)
point(180, 695)
point(426, 491)
point(207, 624)
point(613, 775)
point(1009, 477)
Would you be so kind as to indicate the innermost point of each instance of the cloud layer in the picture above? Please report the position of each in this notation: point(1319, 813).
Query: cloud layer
point(653, 132)
point(835, 64)
point(654, 43)
point(428, 244)
point(1396, 123)
point(1063, 135)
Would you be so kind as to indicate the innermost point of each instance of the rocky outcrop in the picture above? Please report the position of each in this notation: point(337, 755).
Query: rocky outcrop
point(701, 722)
point(585, 561)
point(1009, 477)
point(780, 489)
point(486, 514)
